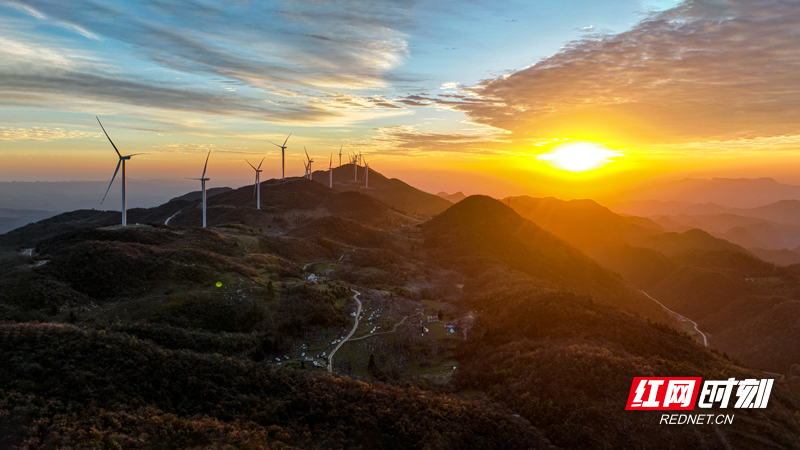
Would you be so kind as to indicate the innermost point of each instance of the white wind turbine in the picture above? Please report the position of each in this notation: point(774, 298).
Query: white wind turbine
point(121, 162)
point(257, 184)
point(202, 181)
point(308, 167)
point(283, 154)
point(366, 175)
point(330, 171)
point(354, 161)
point(340, 155)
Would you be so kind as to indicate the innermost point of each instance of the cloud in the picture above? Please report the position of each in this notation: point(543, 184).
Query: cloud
point(44, 75)
point(410, 141)
point(321, 44)
point(192, 147)
point(285, 64)
point(42, 134)
point(707, 70)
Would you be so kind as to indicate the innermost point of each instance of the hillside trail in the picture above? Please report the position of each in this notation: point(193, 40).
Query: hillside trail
point(355, 325)
point(680, 316)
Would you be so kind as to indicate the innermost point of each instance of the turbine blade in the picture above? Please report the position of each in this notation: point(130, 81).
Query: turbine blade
point(254, 167)
point(262, 162)
point(136, 154)
point(119, 163)
point(287, 139)
point(276, 145)
point(255, 185)
point(109, 138)
point(304, 148)
point(206, 166)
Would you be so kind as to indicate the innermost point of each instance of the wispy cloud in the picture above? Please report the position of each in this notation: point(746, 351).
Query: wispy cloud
point(411, 141)
point(707, 70)
point(319, 44)
point(42, 134)
point(285, 63)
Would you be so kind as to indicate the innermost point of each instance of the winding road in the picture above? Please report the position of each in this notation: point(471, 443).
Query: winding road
point(166, 222)
point(705, 338)
point(355, 325)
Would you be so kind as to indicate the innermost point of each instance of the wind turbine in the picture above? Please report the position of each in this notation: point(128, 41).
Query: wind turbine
point(283, 153)
point(330, 170)
point(366, 175)
point(203, 180)
point(257, 184)
point(121, 162)
point(340, 156)
point(308, 167)
point(354, 160)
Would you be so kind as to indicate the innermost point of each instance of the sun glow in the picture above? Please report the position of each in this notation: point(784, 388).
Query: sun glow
point(579, 157)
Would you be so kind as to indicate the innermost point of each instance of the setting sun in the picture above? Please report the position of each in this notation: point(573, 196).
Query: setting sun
point(579, 157)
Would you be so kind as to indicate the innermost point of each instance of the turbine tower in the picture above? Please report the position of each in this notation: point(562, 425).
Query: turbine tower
point(257, 184)
point(203, 180)
point(330, 171)
point(283, 155)
point(340, 156)
point(308, 167)
point(354, 160)
point(121, 162)
point(366, 175)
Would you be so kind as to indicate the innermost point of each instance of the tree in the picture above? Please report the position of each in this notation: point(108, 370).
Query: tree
point(371, 364)
point(441, 314)
point(270, 289)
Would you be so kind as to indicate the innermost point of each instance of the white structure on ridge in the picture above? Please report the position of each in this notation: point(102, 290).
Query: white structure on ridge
point(257, 184)
point(283, 155)
point(203, 180)
point(121, 162)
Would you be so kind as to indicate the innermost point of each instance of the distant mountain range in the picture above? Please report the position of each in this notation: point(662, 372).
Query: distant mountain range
point(696, 273)
point(484, 227)
point(71, 195)
point(727, 209)
point(15, 218)
point(728, 192)
point(452, 198)
point(568, 220)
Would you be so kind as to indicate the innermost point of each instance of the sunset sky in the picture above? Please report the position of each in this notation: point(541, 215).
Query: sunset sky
point(469, 95)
